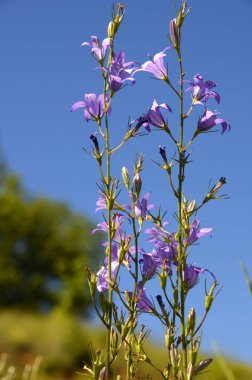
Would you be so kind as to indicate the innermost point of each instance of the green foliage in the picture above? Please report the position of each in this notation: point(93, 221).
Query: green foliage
point(63, 343)
point(60, 339)
point(43, 249)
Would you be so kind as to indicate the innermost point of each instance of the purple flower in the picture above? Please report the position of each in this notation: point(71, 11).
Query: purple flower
point(143, 302)
point(102, 280)
point(142, 206)
point(209, 120)
point(156, 66)
point(196, 232)
point(93, 106)
point(149, 265)
point(160, 235)
point(118, 233)
point(202, 91)
point(152, 117)
point(98, 49)
point(115, 251)
point(120, 71)
point(191, 275)
point(101, 202)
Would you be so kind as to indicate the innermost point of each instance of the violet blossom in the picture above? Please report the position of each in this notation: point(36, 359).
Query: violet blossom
point(120, 71)
point(93, 106)
point(156, 66)
point(142, 207)
point(102, 280)
point(118, 232)
point(143, 302)
point(149, 265)
point(115, 251)
point(191, 275)
point(98, 49)
point(101, 202)
point(196, 232)
point(202, 91)
point(152, 117)
point(209, 120)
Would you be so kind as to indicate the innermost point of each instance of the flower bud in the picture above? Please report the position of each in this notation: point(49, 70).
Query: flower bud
point(208, 302)
point(174, 33)
point(203, 364)
point(119, 377)
point(125, 177)
point(191, 206)
point(103, 374)
point(138, 185)
point(169, 339)
point(193, 356)
point(116, 20)
point(92, 281)
point(190, 371)
point(190, 323)
point(175, 297)
point(111, 29)
point(210, 297)
point(163, 281)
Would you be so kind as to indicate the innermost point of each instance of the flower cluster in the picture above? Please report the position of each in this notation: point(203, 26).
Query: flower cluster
point(168, 259)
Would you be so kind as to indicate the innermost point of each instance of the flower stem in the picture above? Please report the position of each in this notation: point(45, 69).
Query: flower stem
point(110, 290)
point(180, 226)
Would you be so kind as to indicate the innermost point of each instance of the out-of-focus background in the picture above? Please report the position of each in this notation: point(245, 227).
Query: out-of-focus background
point(48, 185)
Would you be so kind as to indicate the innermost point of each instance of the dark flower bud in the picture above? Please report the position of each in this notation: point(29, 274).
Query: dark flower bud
point(96, 144)
point(163, 153)
point(160, 302)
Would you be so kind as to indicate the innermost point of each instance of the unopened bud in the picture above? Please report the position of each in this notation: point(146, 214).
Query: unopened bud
point(193, 356)
point(190, 323)
point(163, 281)
point(203, 365)
point(174, 33)
point(169, 339)
point(119, 377)
point(111, 29)
point(138, 185)
point(125, 177)
point(103, 374)
point(191, 206)
point(190, 371)
point(92, 281)
point(210, 297)
point(175, 297)
point(208, 302)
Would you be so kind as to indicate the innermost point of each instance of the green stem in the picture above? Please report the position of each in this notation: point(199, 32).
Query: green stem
point(180, 226)
point(110, 290)
point(133, 305)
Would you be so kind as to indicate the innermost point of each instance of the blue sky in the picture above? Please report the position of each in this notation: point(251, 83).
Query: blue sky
point(43, 70)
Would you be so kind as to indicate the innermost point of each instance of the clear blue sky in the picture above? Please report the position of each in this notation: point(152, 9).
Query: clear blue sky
point(43, 70)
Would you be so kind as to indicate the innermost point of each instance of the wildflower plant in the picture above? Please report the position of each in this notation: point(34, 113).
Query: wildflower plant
point(126, 223)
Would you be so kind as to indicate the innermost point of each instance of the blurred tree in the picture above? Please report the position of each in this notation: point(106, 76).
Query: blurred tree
point(43, 248)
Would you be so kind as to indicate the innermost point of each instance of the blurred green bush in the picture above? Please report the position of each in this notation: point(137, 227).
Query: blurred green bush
point(43, 249)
